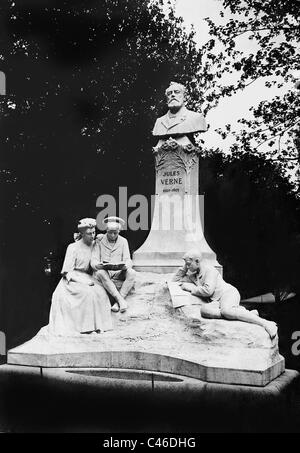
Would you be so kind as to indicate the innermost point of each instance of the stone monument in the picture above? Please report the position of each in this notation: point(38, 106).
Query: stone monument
point(176, 224)
point(163, 331)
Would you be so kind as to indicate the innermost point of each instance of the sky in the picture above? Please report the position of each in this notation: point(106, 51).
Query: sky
point(231, 109)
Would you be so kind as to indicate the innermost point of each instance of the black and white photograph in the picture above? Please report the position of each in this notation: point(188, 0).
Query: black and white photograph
point(150, 219)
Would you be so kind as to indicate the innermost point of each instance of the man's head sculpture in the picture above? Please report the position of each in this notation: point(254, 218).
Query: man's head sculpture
point(175, 95)
point(193, 260)
point(113, 227)
point(178, 121)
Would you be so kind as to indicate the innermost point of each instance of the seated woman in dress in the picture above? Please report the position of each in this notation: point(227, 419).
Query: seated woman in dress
point(79, 303)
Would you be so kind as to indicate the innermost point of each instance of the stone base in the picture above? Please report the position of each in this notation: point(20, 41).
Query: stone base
point(169, 403)
point(153, 336)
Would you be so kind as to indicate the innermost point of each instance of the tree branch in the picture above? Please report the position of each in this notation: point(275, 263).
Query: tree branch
point(260, 29)
point(252, 81)
point(281, 133)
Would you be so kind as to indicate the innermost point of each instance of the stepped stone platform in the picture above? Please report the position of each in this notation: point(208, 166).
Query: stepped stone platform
point(154, 336)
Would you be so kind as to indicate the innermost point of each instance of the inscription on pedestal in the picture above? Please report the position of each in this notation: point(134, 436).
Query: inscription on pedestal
point(171, 181)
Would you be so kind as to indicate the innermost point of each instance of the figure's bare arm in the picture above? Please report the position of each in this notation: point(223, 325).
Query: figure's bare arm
point(209, 286)
point(180, 274)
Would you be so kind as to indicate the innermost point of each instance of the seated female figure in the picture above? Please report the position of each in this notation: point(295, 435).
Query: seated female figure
point(79, 303)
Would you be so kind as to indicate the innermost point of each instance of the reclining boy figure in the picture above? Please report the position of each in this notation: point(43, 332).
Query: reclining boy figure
point(223, 299)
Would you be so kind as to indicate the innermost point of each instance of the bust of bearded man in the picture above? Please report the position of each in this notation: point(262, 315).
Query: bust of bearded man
point(178, 121)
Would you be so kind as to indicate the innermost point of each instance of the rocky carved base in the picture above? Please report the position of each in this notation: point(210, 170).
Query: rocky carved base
point(154, 336)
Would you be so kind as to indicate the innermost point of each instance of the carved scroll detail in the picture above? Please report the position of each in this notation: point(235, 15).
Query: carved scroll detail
point(175, 155)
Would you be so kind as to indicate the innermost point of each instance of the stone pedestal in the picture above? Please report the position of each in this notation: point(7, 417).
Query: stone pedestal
point(176, 225)
point(100, 400)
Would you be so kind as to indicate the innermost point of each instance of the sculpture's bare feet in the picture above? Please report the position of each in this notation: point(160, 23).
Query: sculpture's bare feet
point(115, 308)
point(254, 312)
point(122, 304)
point(271, 328)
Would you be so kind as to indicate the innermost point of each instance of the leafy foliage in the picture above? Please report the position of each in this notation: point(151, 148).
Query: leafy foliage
point(86, 83)
point(273, 26)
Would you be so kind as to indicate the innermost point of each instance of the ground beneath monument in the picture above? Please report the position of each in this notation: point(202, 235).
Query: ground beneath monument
point(152, 335)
